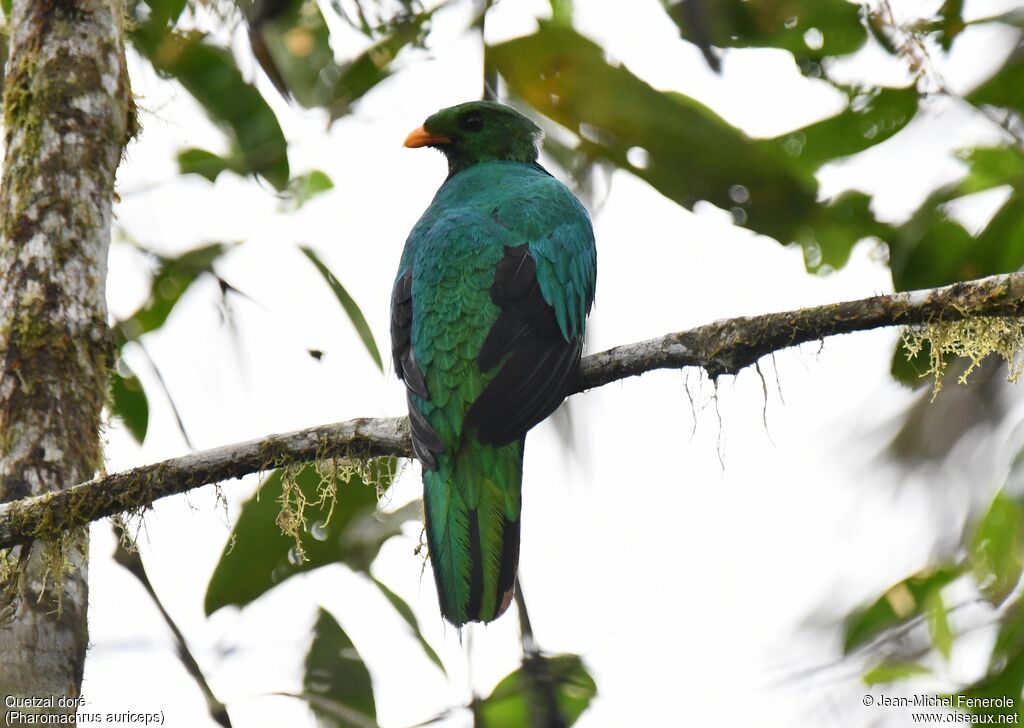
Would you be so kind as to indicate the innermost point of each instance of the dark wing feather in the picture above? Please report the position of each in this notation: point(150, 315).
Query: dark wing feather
point(539, 362)
point(401, 320)
point(426, 443)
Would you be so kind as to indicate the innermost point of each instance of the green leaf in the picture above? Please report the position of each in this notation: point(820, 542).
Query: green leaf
point(931, 250)
point(910, 370)
point(832, 230)
point(129, 403)
point(938, 623)
point(988, 167)
point(1000, 246)
point(902, 602)
point(1014, 17)
point(679, 146)
point(358, 76)
point(298, 43)
point(1005, 676)
point(165, 12)
point(294, 49)
point(207, 164)
point(259, 556)
point(336, 681)
point(889, 672)
point(508, 705)
point(809, 29)
point(870, 117)
point(950, 23)
point(688, 153)
point(5, 5)
point(561, 11)
point(1005, 88)
point(349, 304)
point(209, 73)
point(881, 30)
point(996, 551)
point(305, 187)
point(991, 167)
point(407, 614)
point(172, 278)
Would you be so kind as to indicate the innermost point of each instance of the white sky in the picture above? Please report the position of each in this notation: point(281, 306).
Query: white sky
point(696, 593)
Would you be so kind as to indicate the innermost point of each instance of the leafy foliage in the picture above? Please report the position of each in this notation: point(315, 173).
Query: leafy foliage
point(209, 73)
point(172, 278)
point(301, 62)
point(129, 402)
point(1005, 676)
point(903, 602)
point(305, 187)
point(405, 612)
point(997, 548)
point(260, 556)
point(207, 164)
point(363, 72)
point(685, 150)
point(337, 683)
point(809, 29)
point(871, 116)
point(514, 703)
point(689, 153)
point(887, 672)
point(1004, 88)
point(994, 562)
point(348, 304)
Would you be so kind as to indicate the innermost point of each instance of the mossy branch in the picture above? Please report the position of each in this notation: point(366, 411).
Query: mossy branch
point(722, 347)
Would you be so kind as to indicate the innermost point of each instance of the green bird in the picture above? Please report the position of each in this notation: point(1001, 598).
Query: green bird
point(488, 316)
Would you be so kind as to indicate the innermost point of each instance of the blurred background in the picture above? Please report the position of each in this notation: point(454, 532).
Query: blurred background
point(768, 548)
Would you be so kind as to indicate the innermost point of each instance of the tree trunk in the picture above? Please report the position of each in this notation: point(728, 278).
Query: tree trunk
point(68, 114)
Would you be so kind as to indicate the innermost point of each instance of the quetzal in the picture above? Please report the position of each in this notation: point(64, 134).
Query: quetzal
point(488, 315)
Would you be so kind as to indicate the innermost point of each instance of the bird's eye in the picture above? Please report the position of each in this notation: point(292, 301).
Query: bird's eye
point(471, 122)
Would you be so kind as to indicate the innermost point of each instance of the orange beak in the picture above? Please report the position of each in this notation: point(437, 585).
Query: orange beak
point(423, 138)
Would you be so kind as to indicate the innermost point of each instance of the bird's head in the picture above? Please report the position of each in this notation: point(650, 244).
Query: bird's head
point(478, 131)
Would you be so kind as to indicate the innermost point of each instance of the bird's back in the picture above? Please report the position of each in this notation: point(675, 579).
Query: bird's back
point(453, 251)
point(488, 317)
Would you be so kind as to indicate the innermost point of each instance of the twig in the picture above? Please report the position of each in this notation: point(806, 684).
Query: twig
point(132, 562)
point(539, 684)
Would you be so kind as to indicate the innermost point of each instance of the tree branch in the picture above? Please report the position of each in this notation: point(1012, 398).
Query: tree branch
point(722, 347)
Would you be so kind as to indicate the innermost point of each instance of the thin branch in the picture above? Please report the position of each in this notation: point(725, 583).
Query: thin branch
point(722, 347)
point(132, 562)
point(729, 345)
point(540, 685)
point(167, 394)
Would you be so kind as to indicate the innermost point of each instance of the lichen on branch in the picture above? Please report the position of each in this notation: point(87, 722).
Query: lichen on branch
point(973, 339)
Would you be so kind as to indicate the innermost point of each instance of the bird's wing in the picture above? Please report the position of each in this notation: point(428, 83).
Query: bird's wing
point(543, 290)
point(426, 443)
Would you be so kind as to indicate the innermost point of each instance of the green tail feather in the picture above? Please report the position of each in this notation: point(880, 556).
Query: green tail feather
point(472, 507)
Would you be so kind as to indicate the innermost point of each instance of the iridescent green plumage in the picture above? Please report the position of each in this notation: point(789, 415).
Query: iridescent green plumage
point(488, 318)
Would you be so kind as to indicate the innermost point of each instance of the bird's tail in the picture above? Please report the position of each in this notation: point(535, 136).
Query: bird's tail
point(471, 507)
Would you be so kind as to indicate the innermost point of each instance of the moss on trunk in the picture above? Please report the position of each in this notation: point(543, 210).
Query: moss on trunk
point(67, 117)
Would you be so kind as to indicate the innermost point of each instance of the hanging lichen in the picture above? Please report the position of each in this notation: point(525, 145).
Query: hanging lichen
point(61, 557)
point(13, 563)
point(971, 338)
point(293, 518)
